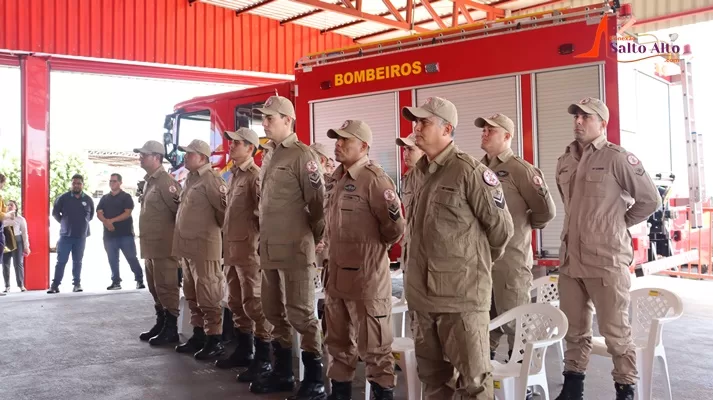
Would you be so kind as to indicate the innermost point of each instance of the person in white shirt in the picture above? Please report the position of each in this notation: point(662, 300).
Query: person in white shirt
point(23, 247)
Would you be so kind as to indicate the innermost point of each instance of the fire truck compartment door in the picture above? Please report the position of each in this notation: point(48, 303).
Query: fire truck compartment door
point(379, 111)
point(555, 91)
point(481, 98)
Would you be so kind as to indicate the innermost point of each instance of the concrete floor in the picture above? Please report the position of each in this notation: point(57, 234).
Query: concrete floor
point(85, 346)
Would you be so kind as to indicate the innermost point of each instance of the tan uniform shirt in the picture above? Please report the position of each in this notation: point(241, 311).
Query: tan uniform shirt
point(408, 191)
point(241, 230)
point(328, 184)
point(459, 225)
point(605, 190)
point(201, 215)
point(364, 220)
point(529, 201)
point(292, 207)
point(157, 221)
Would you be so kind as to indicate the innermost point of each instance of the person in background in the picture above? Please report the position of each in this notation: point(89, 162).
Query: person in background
point(2, 216)
point(17, 256)
point(73, 210)
point(114, 211)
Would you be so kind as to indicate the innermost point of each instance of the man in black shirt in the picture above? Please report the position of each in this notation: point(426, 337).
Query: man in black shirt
point(73, 210)
point(114, 211)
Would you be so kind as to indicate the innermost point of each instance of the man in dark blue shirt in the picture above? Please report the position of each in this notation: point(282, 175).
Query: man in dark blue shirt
point(114, 211)
point(73, 210)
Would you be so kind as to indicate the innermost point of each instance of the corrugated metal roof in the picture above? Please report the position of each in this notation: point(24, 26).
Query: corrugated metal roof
point(657, 14)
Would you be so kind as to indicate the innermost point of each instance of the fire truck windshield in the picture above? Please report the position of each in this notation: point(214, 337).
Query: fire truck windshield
point(184, 128)
point(246, 118)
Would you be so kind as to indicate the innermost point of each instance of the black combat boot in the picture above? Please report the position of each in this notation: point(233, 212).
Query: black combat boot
point(160, 318)
point(260, 364)
point(573, 388)
point(624, 391)
point(379, 393)
point(243, 354)
point(169, 333)
point(312, 386)
point(213, 348)
point(340, 391)
point(195, 343)
point(281, 378)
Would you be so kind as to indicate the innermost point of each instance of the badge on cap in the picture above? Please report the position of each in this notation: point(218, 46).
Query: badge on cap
point(537, 181)
point(345, 124)
point(268, 103)
point(490, 178)
point(428, 100)
point(585, 101)
point(494, 116)
point(632, 159)
point(389, 195)
point(312, 166)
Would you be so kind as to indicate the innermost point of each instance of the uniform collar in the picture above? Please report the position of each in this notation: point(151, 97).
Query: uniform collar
point(155, 174)
point(355, 169)
point(290, 140)
point(202, 170)
point(424, 165)
point(503, 157)
point(243, 167)
point(594, 145)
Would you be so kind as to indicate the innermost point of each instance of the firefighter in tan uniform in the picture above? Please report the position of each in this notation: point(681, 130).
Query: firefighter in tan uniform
point(159, 204)
point(459, 226)
point(242, 265)
point(531, 207)
point(411, 155)
point(322, 248)
point(198, 240)
point(364, 215)
point(291, 223)
point(605, 191)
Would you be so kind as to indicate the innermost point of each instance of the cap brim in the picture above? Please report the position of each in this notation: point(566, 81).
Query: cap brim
point(336, 133)
point(266, 111)
point(141, 150)
point(186, 149)
point(231, 135)
point(481, 122)
point(573, 108)
point(405, 142)
point(413, 113)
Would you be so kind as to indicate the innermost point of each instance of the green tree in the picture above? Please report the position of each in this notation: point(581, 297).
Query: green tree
point(10, 167)
point(62, 167)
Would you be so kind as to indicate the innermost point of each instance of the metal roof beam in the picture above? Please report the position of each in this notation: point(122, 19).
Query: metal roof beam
point(300, 16)
point(252, 6)
point(405, 26)
point(434, 14)
point(493, 12)
point(410, 6)
point(393, 10)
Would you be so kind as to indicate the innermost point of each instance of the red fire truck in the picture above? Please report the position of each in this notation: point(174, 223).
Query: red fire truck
point(527, 67)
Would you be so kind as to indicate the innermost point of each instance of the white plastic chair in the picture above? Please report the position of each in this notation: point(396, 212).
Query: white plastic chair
point(538, 326)
point(548, 293)
point(404, 351)
point(651, 308)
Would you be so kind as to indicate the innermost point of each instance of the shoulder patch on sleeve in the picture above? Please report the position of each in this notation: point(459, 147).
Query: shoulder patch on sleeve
point(311, 166)
point(172, 189)
point(537, 181)
point(490, 178)
point(389, 195)
point(632, 159)
point(315, 180)
point(499, 199)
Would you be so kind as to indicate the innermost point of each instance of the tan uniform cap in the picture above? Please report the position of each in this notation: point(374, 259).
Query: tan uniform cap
point(277, 105)
point(433, 106)
point(352, 128)
point(197, 146)
point(151, 146)
point(500, 120)
point(409, 141)
point(320, 149)
point(590, 105)
point(244, 134)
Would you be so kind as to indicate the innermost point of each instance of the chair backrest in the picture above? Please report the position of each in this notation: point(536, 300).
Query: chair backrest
point(648, 304)
point(536, 322)
point(547, 289)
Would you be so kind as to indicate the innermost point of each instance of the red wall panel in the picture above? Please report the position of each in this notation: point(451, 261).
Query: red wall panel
point(159, 31)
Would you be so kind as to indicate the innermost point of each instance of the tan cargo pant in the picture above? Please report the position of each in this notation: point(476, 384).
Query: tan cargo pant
point(204, 288)
point(610, 296)
point(452, 354)
point(368, 323)
point(511, 288)
point(288, 301)
point(244, 285)
point(162, 278)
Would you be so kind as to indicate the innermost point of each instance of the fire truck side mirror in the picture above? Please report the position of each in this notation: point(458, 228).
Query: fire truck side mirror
point(168, 123)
